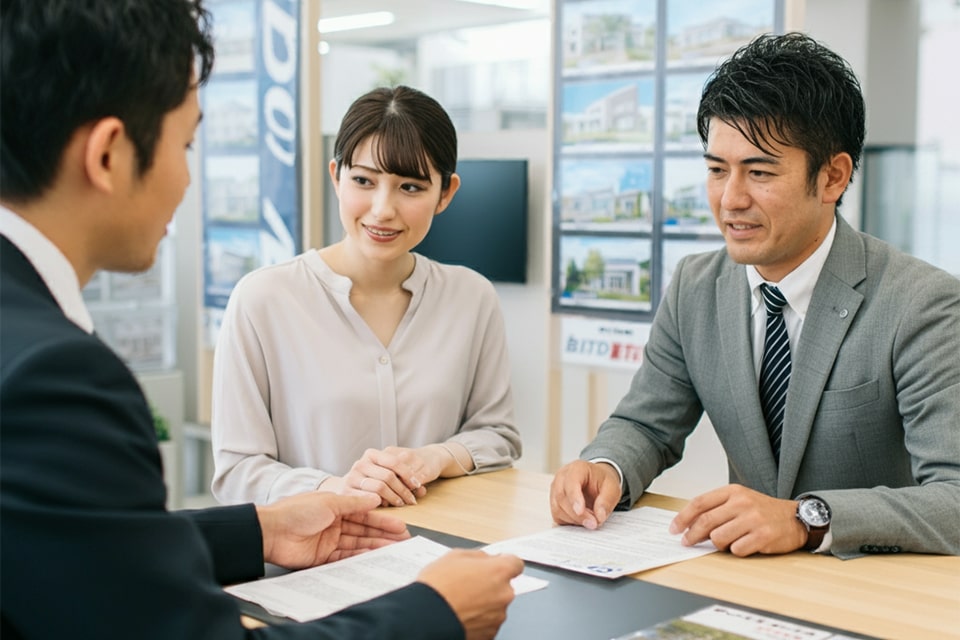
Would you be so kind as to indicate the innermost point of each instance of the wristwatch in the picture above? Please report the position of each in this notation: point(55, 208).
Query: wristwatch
point(814, 514)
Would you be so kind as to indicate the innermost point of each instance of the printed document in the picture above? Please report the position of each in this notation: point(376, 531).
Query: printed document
point(319, 591)
point(628, 542)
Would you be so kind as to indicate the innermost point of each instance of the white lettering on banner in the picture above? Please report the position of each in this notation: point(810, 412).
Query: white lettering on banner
point(279, 101)
point(280, 245)
point(280, 33)
point(277, 22)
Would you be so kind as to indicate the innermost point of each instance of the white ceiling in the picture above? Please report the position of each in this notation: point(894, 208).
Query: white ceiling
point(418, 17)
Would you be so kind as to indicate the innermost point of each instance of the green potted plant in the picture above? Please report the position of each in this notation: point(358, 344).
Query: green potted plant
point(168, 453)
point(160, 425)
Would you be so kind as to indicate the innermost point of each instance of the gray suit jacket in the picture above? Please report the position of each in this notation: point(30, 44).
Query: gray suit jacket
point(872, 421)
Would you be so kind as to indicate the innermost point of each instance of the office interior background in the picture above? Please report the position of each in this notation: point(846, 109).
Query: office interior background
point(492, 64)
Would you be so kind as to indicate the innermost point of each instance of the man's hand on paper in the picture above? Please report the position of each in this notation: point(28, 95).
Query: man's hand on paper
point(742, 521)
point(317, 527)
point(584, 493)
point(476, 585)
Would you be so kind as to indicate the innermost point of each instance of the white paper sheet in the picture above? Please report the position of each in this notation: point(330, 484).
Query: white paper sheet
point(320, 591)
point(628, 542)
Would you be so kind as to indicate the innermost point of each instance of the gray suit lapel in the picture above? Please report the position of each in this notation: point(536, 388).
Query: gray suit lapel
point(736, 343)
point(831, 312)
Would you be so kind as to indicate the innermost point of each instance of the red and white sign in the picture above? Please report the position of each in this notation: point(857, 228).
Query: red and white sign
point(603, 343)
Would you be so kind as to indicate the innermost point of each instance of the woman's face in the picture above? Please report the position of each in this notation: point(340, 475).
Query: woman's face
point(385, 215)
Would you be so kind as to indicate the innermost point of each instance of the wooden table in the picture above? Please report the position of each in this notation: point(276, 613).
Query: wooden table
point(902, 596)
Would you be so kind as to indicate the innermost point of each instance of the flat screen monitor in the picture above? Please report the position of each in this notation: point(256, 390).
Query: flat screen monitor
point(485, 226)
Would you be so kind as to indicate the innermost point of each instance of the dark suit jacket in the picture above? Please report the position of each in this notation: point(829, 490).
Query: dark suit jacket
point(87, 548)
point(872, 420)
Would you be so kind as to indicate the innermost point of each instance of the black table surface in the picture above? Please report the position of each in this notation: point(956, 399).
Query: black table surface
point(576, 606)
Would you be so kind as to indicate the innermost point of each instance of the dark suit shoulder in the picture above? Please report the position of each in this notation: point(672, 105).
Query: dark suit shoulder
point(31, 318)
point(83, 494)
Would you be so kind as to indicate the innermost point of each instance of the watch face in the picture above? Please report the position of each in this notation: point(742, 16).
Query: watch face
point(814, 512)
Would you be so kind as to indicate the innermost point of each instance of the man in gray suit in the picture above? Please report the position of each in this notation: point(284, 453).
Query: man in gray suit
point(853, 444)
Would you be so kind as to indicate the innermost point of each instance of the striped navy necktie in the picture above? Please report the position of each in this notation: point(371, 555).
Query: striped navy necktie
point(775, 368)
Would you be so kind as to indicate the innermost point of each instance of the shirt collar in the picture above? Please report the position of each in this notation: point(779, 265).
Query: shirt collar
point(797, 286)
point(414, 283)
point(54, 268)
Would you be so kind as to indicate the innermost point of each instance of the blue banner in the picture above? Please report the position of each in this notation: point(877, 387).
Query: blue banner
point(278, 75)
point(250, 133)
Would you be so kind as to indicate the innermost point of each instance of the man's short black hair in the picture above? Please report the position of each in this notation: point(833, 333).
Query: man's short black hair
point(66, 63)
point(788, 90)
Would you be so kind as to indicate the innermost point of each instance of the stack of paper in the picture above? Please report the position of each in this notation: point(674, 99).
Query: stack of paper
point(320, 591)
point(628, 542)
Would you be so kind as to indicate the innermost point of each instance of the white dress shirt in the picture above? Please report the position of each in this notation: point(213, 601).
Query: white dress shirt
point(797, 287)
point(54, 268)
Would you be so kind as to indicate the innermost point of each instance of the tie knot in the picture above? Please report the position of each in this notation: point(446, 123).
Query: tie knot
point(772, 299)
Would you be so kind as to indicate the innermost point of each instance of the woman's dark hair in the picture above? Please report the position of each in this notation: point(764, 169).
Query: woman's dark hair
point(788, 90)
point(66, 63)
point(411, 131)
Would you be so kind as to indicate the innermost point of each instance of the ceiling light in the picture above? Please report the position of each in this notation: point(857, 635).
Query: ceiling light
point(512, 4)
point(355, 21)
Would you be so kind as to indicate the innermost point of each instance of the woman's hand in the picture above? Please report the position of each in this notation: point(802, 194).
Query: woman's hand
point(399, 474)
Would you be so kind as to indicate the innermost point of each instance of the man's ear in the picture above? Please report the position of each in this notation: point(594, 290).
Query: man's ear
point(107, 153)
point(838, 171)
point(447, 195)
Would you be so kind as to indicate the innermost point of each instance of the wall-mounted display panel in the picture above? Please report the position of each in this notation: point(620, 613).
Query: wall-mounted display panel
point(629, 177)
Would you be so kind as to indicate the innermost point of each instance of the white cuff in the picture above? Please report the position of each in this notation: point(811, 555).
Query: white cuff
point(612, 464)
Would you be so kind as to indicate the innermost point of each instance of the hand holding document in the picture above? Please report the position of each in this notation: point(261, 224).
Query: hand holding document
point(318, 592)
point(628, 542)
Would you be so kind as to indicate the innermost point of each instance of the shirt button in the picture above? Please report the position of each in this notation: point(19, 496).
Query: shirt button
point(384, 360)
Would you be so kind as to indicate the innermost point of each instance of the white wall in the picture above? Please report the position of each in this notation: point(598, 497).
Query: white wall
point(347, 72)
point(879, 40)
point(526, 307)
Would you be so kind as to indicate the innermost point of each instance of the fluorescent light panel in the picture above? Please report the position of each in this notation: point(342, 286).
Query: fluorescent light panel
point(355, 21)
point(511, 4)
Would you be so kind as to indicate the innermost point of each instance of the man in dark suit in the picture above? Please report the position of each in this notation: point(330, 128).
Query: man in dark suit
point(98, 100)
point(826, 360)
